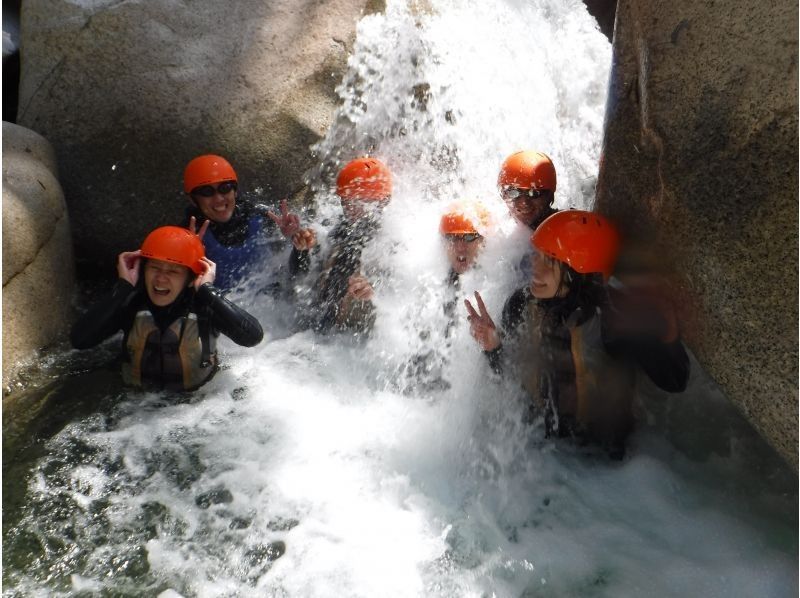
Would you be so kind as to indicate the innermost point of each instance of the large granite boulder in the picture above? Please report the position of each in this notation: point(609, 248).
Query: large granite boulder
point(38, 270)
point(700, 162)
point(129, 92)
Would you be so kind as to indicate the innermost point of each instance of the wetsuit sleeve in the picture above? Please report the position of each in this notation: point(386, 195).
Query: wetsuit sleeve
point(232, 321)
point(665, 363)
point(299, 262)
point(495, 358)
point(104, 318)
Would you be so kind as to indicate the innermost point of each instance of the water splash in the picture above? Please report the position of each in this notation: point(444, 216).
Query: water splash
point(317, 466)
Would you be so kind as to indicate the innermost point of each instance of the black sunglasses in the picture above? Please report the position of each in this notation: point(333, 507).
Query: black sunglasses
point(514, 194)
point(211, 191)
point(466, 237)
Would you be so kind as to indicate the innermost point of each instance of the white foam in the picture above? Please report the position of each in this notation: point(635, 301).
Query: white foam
point(312, 442)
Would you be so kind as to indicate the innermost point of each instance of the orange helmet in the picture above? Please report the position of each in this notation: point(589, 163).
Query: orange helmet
point(585, 241)
point(174, 244)
point(528, 170)
point(464, 218)
point(207, 170)
point(366, 179)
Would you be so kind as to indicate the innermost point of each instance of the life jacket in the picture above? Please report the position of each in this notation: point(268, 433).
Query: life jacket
point(235, 263)
point(182, 357)
point(582, 389)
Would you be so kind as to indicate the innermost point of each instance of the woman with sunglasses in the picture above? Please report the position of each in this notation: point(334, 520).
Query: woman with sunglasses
point(574, 341)
point(236, 237)
point(169, 312)
point(341, 298)
point(527, 184)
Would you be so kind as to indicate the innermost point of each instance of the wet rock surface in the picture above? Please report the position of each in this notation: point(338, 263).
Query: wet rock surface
point(38, 273)
point(700, 167)
point(128, 93)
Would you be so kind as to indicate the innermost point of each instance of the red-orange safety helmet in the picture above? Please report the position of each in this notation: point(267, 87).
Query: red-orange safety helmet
point(585, 241)
point(465, 218)
point(175, 244)
point(528, 170)
point(207, 170)
point(365, 179)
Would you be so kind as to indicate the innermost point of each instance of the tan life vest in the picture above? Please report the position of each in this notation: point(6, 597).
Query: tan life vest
point(598, 389)
point(173, 359)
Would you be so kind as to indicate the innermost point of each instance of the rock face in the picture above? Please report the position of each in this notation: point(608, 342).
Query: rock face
point(700, 161)
point(38, 272)
point(129, 92)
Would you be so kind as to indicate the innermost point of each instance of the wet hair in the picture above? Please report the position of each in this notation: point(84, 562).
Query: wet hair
point(586, 292)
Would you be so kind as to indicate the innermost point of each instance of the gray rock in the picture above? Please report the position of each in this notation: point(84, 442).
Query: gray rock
point(700, 167)
point(38, 273)
point(129, 92)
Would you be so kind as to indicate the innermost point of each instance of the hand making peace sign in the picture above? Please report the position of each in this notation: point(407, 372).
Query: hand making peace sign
point(287, 222)
point(481, 325)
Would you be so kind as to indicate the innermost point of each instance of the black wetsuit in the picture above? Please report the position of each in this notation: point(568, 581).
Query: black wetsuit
point(348, 240)
point(213, 313)
point(559, 384)
point(546, 213)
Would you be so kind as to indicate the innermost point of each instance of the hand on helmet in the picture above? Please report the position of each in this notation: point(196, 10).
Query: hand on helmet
point(208, 274)
point(128, 266)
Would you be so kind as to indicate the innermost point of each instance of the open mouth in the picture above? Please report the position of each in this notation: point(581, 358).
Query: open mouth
point(461, 259)
point(161, 291)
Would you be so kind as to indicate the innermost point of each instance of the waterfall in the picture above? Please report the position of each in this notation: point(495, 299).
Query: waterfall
point(326, 466)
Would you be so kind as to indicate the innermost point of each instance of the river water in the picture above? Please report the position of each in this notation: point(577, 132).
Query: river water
point(327, 466)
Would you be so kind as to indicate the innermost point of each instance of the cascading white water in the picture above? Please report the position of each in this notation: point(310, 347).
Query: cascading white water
point(317, 466)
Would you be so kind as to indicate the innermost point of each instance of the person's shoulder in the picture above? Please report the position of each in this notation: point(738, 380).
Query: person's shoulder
point(518, 298)
point(514, 308)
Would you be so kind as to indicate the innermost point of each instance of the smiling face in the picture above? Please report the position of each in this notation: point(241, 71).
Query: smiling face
point(216, 202)
point(462, 251)
point(528, 206)
point(164, 281)
point(546, 280)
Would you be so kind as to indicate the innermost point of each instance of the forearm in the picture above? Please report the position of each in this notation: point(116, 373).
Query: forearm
point(495, 358)
point(666, 364)
point(103, 319)
point(299, 262)
point(232, 321)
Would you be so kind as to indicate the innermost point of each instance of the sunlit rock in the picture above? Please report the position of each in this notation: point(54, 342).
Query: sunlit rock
point(700, 162)
point(38, 273)
point(129, 92)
